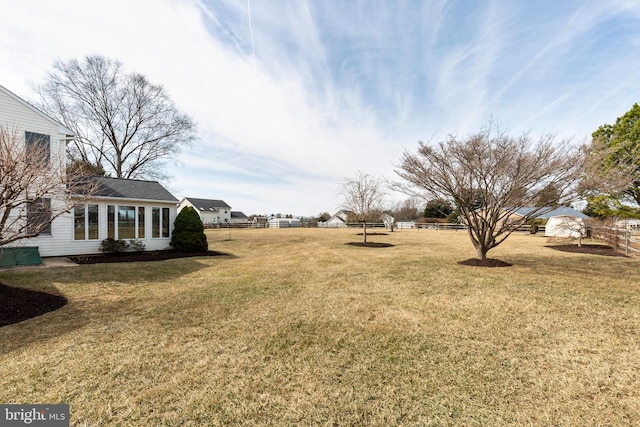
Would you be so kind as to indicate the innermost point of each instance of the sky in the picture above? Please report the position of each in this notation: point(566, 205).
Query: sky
point(292, 97)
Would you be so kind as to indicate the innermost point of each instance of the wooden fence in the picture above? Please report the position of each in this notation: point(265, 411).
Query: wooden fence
point(619, 238)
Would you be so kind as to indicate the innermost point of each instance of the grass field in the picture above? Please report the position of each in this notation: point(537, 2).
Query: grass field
point(296, 328)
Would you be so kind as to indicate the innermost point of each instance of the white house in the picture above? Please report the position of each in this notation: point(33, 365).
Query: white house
point(123, 209)
point(210, 211)
point(628, 224)
point(338, 220)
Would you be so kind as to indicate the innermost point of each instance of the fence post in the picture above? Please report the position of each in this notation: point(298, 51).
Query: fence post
point(628, 237)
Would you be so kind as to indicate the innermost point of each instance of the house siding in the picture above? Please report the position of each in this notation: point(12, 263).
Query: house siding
point(62, 242)
point(16, 114)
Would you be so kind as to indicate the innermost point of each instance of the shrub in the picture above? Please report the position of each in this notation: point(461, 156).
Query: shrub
point(136, 246)
point(112, 245)
point(188, 232)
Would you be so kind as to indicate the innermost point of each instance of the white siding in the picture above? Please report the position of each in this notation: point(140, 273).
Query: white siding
point(16, 115)
point(62, 243)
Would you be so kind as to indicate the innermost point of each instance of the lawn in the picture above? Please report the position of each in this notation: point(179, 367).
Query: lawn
point(294, 327)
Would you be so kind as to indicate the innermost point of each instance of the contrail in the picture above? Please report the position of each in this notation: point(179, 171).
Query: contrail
point(253, 48)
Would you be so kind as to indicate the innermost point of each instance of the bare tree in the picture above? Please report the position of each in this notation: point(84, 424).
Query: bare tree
point(364, 196)
point(489, 175)
point(35, 186)
point(122, 122)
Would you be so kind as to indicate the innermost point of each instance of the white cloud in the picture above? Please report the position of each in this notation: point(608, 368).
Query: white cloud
point(337, 87)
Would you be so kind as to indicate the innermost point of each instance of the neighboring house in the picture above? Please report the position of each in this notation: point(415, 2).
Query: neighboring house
point(338, 220)
point(210, 211)
point(123, 209)
point(628, 224)
point(238, 217)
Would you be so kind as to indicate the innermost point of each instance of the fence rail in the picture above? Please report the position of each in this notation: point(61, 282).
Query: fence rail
point(619, 238)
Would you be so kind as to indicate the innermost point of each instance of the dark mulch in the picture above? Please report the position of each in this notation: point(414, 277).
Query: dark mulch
point(592, 249)
point(373, 234)
point(370, 244)
point(17, 304)
point(489, 262)
point(139, 256)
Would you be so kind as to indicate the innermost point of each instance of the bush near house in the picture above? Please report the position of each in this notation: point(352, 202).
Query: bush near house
point(188, 232)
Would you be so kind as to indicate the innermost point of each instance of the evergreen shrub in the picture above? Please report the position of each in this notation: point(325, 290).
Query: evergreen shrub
point(188, 232)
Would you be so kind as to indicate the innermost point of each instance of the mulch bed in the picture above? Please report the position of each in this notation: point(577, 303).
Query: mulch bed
point(19, 304)
point(592, 249)
point(139, 256)
point(489, 262)
point(370, 244)
point(373, 234)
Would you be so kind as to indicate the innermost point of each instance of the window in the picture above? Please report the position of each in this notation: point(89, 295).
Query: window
point(85, 222)
point(38, 144)
point(165, 222)
point(111, 221)
point(160, 223)
point(39, 216)
point(140, 222)
point(155, 223)
point(126, 222)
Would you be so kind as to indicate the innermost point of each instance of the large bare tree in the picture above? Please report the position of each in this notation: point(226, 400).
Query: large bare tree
point(35, 186)
point(122, 122)
point(489, 175)
point(364, 196)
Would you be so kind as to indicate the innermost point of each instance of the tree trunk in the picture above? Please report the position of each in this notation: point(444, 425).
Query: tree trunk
point(481, 252)
point(364, 232)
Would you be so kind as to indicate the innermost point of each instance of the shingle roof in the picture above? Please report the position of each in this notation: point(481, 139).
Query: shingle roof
point(238, 214)
point(207, 204)
point(131, 189)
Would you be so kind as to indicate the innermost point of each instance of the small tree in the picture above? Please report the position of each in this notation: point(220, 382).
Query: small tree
point(489, 175)
point(188, 232)
point(363, 196)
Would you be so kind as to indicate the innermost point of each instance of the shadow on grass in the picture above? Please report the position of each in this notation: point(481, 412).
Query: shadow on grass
point(27, 322)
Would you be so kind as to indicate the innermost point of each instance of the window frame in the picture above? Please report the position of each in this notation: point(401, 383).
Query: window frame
point(38, 141)
point(35, 213)
point(160, 222)
point(114, 223)
point(89, 230)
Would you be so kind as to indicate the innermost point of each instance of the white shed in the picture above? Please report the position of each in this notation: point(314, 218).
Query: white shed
point(565, 226)
point(284, 223)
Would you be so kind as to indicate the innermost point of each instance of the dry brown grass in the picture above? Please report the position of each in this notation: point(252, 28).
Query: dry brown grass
point(297, 328)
